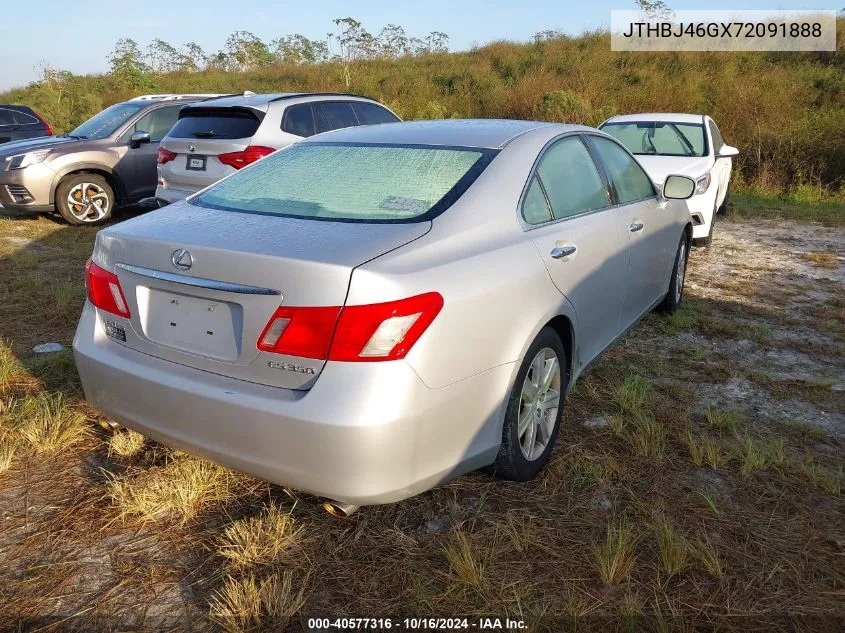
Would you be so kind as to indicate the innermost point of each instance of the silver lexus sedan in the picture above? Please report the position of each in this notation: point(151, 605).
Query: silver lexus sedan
point(376, 310)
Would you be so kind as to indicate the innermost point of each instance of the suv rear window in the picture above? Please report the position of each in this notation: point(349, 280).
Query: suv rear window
point(351, 182)
point(226, 123)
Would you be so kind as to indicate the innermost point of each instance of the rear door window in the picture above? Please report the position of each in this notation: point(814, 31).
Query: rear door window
point(333, 115)
point(223, 123)
point(156, 123)
point(23, 118)
point(570, 179)
point(628, 178)
point(371, 114)
point(299, 120)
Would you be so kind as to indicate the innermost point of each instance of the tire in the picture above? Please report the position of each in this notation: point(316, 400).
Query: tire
point(85, 200)
point(675, 295)
point(513, 462)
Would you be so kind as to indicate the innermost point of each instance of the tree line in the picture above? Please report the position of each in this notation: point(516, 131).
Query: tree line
point(244, 51)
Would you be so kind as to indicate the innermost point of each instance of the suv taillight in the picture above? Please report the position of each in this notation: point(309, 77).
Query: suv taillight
point(375, 332)
point(44, 121)
point(246, 157)
point(104, 290)
point(165, 156)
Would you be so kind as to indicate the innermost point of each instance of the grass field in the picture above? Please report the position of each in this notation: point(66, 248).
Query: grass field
point(697, 483)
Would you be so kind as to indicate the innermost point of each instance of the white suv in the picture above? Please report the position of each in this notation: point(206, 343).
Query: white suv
point(216, 137)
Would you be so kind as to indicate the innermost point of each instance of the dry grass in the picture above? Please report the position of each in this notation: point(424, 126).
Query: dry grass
point(126, 443)
point(675, 515)
point(7, 453)
point(245, 604)
point(648, 437)
point(615, 557)
point(259, 540)
point(180, 489)
point(46, 422)
point(465, 566)
point(675, 550)
point(823, 259)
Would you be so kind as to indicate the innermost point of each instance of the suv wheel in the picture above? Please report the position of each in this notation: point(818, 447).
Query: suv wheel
point(85, 199)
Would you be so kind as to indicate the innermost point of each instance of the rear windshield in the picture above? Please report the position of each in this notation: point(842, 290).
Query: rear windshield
point(108, 121)
point(225, 123)
point(660, 138)
point(351, 182)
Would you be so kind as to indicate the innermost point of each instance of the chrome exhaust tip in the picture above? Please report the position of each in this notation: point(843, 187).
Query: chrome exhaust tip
point(340, 510)
point(109, 425)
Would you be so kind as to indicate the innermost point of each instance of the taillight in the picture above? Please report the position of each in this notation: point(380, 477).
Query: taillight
point(246, 157)
point(304, 332)
point(379, 331)
point(47, 125)
point(104, 290)
point(165, 156)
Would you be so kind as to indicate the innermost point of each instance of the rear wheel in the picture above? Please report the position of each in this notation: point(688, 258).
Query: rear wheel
point(535, 410)
point(85, 199)
point(676, 283)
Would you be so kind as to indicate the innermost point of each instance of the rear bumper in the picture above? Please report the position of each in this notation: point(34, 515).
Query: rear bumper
point(366, 433)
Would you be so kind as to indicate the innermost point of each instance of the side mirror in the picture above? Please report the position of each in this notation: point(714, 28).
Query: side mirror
point(727, 151)
point(678, 187)
point(138, 138)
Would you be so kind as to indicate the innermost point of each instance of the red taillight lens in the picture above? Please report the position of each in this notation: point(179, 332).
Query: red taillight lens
point(304, 332)
point(380, 331)
point(383, 331)
point(104, 290)
point(43, 120)
point(246, 157)
point(165, 156)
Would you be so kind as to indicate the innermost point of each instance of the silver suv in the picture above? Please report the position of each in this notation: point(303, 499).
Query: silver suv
point(108, 161)
point(216, 137)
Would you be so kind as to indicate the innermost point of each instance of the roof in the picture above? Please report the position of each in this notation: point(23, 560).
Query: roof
point(481, 133)
point(261, 100)
point(175, 97)
point(673, 117)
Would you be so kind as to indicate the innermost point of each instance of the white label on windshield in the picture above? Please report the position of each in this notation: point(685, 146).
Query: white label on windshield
point(412, 205)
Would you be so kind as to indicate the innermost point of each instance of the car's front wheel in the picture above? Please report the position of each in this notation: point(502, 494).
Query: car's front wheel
point(679, 275)
point(535, 409)
point(85, 199)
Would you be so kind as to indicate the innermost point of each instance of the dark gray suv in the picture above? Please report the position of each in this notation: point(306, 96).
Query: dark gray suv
point(108, 161)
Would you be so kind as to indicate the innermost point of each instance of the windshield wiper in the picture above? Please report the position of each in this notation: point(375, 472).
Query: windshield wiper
point(74, 137)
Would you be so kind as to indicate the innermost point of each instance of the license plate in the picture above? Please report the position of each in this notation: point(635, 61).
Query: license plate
point(195, 163)
point(193, 324)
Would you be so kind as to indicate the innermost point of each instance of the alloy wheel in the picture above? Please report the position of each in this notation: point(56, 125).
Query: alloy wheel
point(88, 202)
point(539, 403)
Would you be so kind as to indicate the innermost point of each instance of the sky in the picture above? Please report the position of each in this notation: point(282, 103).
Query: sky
point(78, 35)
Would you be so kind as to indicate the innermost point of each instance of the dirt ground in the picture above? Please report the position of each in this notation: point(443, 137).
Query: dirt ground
point(697, 482)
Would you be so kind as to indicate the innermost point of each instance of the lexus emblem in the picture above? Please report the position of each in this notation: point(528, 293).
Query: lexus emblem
point(191, 148)
point(182, 259)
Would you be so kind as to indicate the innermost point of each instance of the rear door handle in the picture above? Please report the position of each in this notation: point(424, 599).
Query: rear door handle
point(635, 226)
point(559, 252)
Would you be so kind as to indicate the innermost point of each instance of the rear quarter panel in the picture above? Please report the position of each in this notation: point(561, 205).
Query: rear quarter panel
point(496, 289)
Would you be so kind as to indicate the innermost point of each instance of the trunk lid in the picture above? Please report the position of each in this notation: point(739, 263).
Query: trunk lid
point(243, 266)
